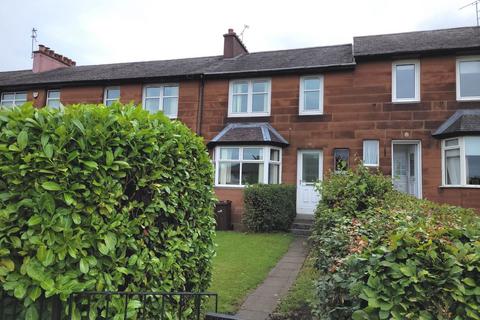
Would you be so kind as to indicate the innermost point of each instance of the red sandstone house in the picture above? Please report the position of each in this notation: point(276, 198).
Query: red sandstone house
point(406, 103)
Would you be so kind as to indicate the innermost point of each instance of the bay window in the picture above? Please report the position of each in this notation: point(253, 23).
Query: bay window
point(249, 98)
point(240, 166)
point(461, 161)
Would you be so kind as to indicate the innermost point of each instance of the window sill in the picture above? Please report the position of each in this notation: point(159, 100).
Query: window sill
point(405, 101)
point(226, 186)
point(248, 115)
point(460, 187)
point(460, 99)
point(312, 113)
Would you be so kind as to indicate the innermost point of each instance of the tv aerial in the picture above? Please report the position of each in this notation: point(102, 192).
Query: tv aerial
point(477, 10)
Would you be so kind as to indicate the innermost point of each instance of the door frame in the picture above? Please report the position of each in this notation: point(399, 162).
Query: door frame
point(300, 171)
point(418, 159)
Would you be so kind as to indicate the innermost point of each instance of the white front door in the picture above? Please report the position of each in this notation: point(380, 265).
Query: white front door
point(309, 171)
point(406, 171)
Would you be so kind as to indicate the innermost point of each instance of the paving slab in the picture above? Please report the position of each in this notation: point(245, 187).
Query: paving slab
point(263, 301)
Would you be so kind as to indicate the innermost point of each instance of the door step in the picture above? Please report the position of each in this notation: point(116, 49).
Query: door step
point(302, 226)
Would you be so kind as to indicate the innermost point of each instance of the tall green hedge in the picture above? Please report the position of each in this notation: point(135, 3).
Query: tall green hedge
point(386, 255)
point(269, 207)
point(102, 198)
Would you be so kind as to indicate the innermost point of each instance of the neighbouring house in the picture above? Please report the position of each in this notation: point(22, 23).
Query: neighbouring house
point(407, 103)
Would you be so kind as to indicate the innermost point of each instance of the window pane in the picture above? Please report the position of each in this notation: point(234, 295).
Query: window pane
point(54, 103)
point(405, 80)
point(273, 173)
point(229, 153)
point(260, 86)
point(470, 78)
point(252, 154)
point(252, 173)
point(310, 167)
point(311, 100)
point(370, 152)
point(311, 84)
point(7, 103)
point(152, 92)
point(229, 173)
point(170, 91)
point(113, 94)
point(341, 158)
point(240, 87)
point(21, 97)
point(8, 96)
point(53, 94)
point(452, 166)
point(170, 106)
point(239, 103)
point(274, 155)
point(152, 105)
point(259, 103)
point(452, 142)
point(473, 170)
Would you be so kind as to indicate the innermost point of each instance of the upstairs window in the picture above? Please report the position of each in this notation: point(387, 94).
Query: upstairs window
point(406, 81)
point(111, 95)
point(311, 95)
point(240, 166)
point(13, 98)
point(468, 78)
point(53, 99)
point(370, 153)
point(162, 98)
point(461, 161)
point(249, 98)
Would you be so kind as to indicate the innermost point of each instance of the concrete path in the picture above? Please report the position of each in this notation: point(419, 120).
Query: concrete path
point(265, 298)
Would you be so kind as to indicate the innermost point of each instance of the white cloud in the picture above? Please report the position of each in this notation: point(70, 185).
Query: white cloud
point(107, 31)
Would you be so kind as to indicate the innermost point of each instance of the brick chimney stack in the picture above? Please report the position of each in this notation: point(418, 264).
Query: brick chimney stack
point(233, 46)
point(45, 59)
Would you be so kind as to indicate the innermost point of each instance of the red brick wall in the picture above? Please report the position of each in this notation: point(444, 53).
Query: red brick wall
point(357, 106)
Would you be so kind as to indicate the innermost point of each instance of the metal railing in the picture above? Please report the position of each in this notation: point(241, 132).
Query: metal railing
point(103, 305)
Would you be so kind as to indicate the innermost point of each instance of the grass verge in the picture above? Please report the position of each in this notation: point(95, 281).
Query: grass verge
point(243, 261)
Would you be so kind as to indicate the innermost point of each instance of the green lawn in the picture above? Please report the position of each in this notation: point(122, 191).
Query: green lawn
point(243, 260)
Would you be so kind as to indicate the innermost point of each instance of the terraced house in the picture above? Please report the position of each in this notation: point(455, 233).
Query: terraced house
point(406, 103)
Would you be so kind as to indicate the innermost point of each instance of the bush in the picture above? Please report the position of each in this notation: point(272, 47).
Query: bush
point(387, 255)
point(269, 207)
point(102, 198)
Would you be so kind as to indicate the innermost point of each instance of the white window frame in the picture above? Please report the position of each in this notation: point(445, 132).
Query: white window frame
point(416, 64)
point(266, 161)
point(378, 153)
point(105, 91)
point(161, 97)
point(301, 107)
point(459, 60)
point(47, 102)
point(249, 112)
point(14, 101)
point(463, 169)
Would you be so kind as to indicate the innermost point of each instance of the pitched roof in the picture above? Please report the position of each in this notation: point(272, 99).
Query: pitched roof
point(317, 57)
point(462, 122)
point(258, 133)
point(417, 42)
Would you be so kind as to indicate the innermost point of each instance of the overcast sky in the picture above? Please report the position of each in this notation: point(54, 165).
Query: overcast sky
point(107, 31)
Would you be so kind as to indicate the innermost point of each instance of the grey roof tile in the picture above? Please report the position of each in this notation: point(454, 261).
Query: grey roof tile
point(254, 62)
point(462, 122)
point(249, 133)
point(417, 42)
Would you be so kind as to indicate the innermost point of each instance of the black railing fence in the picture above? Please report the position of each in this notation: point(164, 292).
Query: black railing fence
point(113, 305)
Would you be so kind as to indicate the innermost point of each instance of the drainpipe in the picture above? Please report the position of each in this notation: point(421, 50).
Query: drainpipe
point(200, 105)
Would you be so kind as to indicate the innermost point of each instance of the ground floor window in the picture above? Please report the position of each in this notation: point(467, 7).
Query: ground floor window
point(461, 161)
point(240, 166)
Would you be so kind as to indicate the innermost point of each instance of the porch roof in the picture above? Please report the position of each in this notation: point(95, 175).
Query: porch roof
point(462, 122)
point(256, 133)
